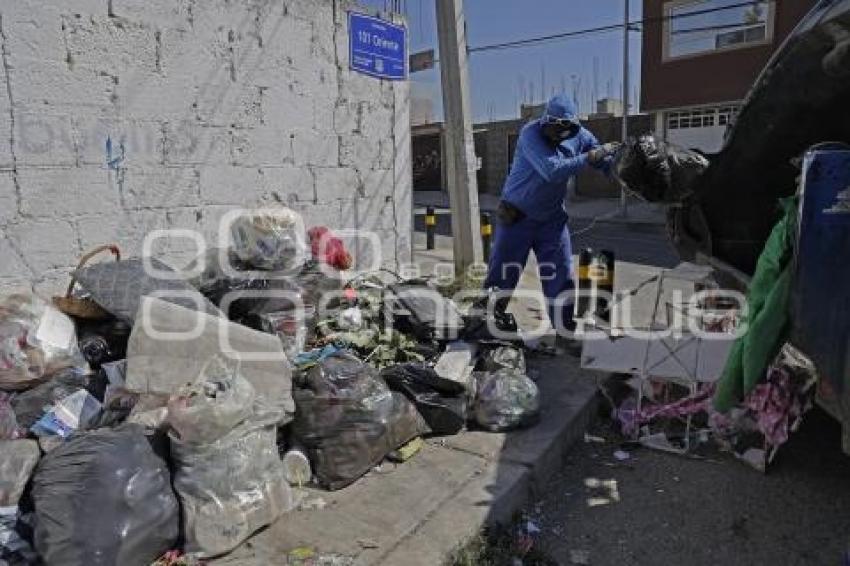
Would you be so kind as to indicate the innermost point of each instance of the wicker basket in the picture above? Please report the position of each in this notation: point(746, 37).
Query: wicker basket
point(84, 307)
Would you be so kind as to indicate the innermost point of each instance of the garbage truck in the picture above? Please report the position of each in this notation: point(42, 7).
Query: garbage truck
point(791, 136)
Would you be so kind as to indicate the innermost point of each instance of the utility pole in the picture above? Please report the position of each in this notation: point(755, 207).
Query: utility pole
point(460, 143)
point(623, 203)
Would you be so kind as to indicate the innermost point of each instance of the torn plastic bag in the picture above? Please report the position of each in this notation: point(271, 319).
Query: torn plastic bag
point(504, 357)
point(231, 487)
point(348, 420)
point(36, 340)
point(504, 400)
point(441, 402)
point(18, 460)
point(218, 400)
point(104, 498)
point(659, 171)
point(119, 287)
point(271, 239)
point(423, 312)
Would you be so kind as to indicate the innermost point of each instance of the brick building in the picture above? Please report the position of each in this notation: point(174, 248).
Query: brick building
point(700, 58)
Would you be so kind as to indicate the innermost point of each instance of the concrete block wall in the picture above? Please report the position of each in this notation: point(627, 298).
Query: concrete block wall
point(118, 117)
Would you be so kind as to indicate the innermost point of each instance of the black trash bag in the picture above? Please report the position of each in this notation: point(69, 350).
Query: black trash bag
point(104, 498)
point(249, 293)
point(659, 171)
point(348, 420)
point(441, 402)
point(103, 341)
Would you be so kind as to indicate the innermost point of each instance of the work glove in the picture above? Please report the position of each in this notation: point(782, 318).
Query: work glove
point(597, 154)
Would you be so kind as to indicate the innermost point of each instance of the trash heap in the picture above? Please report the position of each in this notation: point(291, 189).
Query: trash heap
point(184, 406)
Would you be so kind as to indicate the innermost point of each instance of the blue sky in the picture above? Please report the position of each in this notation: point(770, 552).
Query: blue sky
point(497, 76)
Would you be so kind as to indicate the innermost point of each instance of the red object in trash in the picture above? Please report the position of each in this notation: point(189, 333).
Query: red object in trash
point(328, 249)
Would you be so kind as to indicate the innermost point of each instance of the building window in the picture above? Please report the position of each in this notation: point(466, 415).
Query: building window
point(702, 26)
point(701, 118)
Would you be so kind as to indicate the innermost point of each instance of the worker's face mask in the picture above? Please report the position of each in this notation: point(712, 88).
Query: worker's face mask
point(559, 130)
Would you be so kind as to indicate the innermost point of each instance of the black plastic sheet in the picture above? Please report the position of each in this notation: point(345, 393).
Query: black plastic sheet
point(441, 402)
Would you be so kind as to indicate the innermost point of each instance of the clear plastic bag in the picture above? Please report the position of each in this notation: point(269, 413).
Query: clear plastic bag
point(36, 340)
point(271, 240)
point(232, 487)
point(212, 406)
point(505, 357)
point(349, 420)
point(505, 399)
point(104, 498)
point(31, 405)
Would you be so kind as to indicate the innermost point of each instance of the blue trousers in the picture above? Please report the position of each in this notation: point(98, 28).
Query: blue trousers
point(550, 241)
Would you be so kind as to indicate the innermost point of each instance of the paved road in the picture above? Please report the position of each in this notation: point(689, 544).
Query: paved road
point(674, 510)
point(646, 244)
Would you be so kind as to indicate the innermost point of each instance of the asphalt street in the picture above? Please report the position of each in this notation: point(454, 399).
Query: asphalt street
point(674, 510)
point(644, 244)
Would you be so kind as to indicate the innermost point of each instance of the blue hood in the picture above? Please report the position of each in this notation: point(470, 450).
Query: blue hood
point(561, 106)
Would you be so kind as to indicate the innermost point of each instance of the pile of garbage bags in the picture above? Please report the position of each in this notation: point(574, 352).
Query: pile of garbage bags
point(658, 170)
point(189, 406)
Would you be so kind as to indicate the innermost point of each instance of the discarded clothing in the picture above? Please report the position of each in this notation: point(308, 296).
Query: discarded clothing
point(767, 316)
point(122, 487)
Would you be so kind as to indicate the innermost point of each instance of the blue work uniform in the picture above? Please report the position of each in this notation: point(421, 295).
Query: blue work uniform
point(536, 185)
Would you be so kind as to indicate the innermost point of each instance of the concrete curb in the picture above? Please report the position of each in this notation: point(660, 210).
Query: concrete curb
point(419, 512)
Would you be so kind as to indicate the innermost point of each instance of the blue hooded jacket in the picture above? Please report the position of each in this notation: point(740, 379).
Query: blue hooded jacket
point(539, 173)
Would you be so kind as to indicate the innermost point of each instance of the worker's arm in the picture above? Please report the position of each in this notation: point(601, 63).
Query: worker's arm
point(591, 143)
point(549, 163)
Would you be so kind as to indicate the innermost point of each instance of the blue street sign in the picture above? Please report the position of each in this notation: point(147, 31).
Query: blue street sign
point(376, 47)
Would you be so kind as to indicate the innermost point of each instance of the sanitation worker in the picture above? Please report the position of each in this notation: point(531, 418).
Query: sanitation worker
point(532, 213)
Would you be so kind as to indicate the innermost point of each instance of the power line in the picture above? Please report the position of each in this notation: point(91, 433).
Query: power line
point(602, 29)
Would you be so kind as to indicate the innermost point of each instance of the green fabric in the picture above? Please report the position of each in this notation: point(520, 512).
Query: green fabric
point(767, 318)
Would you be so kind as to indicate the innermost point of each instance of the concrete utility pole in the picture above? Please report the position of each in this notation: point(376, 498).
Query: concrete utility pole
point(460, 144)
point(623, 203)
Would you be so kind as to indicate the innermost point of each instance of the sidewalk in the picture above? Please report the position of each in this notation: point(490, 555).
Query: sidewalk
point(580, 208)
point(419, 512)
